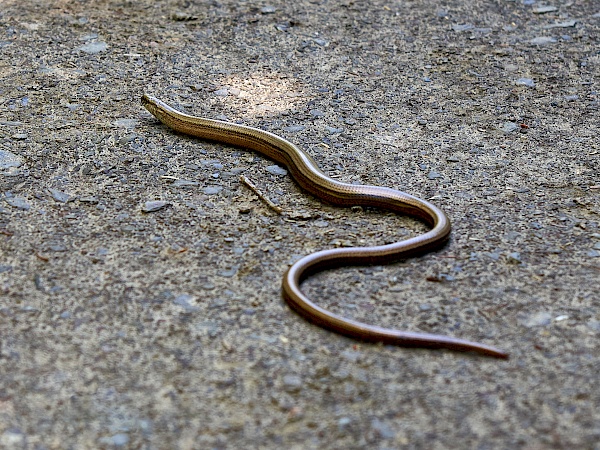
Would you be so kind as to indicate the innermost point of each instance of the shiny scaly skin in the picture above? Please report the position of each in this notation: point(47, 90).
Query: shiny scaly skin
point(308, 175)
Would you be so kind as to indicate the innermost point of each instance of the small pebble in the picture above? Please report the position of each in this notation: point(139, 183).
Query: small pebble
point(509, 127)
point(294, 128)
point(276, 170)
point(301, 215)
point(525, 82)
point(566, 24)
point(332, 130)
point(316, 113)
point(433, 175)
point(538, 320)
point(184, 301)
point(221, 92)
point(184, 183)
point(57, 247)
point(93, 47)
point(543, 40)
point(283, 26)
point(292, 383)
point(12, 438)
point(461, 28)
point(17, 202)
point(181, 16)
point(228, 273)
point(268, 9)
point(125, 123)
point(211, 190)
point(60, 196)
point(344, 421)
point(19, 136)
point(514, 258)
point(89, 37)
point(208, 286)
point(154, 205)
point(9, 159)
point(120, 439)
point(544, 9)
point(593, 325)
point(130, 137)
point(493, 255)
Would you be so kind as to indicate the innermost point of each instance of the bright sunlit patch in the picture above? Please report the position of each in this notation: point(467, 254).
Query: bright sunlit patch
point(259, 94)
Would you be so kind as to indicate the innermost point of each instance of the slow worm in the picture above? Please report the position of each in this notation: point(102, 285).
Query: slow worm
point(308, 175)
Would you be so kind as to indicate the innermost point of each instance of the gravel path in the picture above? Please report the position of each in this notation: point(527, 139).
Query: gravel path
point(140, 279)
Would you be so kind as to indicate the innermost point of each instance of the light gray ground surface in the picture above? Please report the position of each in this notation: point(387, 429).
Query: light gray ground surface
point(166, 329)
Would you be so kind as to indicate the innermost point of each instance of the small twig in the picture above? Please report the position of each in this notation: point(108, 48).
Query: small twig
point(42, 257)
point(262, 196)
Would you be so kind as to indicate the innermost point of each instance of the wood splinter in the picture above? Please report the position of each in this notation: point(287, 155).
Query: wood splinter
point(262, 196)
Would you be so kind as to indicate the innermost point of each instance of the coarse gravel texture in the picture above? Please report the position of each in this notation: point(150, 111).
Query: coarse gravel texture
point(140, 279)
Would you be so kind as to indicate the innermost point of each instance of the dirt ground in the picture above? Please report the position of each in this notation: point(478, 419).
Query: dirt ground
point(140, 301)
